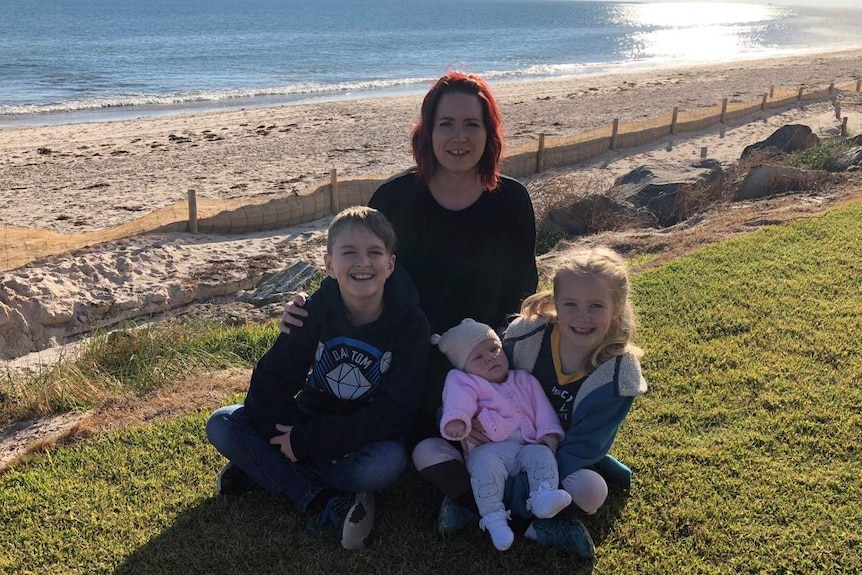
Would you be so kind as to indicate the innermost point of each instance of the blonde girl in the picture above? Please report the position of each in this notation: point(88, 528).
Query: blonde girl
point(577, 340)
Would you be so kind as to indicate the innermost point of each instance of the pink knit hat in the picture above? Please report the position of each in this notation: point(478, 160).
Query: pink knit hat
point(458, 342)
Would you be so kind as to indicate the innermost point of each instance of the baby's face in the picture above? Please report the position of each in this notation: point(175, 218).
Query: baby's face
point(487, 360)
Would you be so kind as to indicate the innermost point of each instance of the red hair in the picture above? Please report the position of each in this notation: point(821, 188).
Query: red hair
point(423, 150)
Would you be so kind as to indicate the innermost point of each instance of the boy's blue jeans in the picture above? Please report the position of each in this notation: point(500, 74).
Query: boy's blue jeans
point(373, 468)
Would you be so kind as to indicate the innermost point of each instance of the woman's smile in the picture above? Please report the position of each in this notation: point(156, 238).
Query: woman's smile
point(459, 134)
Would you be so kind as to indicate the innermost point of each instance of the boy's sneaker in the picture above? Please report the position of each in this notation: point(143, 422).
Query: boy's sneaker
point(453, 517)
point(352, 516)
point(232, 480)
point(567, 534)
point(359, 523)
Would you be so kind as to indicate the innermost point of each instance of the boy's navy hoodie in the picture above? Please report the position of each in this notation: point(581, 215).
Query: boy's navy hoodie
point(365, 382)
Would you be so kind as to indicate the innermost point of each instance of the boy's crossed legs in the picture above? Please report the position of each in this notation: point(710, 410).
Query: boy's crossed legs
point(372, 469)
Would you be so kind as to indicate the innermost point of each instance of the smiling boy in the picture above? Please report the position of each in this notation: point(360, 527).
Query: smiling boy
point(329, 402)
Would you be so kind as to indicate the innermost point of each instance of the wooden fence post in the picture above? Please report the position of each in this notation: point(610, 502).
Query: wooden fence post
point(193, 211)
point(673, 119)
point(831, 87)
point(859, 85)
point(614, 132)
point(333, 191)
point(763, 102)
point(703, 152)
point(844, 126)
point(771, 92)
point(723, 110)
point(799, 95)
point(540, 154)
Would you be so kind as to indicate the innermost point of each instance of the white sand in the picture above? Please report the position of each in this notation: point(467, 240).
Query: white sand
point(98, 175)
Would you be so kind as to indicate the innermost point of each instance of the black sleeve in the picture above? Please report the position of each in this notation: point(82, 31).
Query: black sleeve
point(524, 278)
point(386, 416)
point(380, 199)
point(395, 198)
point(281, 373)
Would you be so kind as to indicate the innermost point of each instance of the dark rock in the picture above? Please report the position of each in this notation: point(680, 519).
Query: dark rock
point(280, 286)
point(850, 158)
point(786, 139)
point(655, 187)
point(769, 180)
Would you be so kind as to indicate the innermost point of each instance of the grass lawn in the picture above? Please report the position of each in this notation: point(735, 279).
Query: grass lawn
point(745, 450)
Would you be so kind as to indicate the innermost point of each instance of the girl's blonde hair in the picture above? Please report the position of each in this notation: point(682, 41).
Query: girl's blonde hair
point(599, 262)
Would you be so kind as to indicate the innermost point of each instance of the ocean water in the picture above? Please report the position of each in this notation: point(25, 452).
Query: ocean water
point(67, 61)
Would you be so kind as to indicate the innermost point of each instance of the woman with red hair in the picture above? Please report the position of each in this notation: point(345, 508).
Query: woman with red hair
point(466, 234)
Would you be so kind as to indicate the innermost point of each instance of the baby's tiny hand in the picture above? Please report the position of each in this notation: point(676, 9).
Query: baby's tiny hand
point(456, 429)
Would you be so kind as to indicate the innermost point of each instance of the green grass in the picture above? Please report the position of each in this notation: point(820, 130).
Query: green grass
point(745, 450)
point(131, 362)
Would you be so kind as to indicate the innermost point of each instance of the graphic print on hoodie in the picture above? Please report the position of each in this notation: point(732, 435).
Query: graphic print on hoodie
point(348, 368)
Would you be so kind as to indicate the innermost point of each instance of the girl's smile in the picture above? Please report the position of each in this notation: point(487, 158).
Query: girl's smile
point(584, 311)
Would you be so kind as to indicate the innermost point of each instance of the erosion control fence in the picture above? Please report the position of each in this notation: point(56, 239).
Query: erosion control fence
point(20, 246)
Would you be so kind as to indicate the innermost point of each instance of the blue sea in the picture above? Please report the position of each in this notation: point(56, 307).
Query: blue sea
point(65, 61)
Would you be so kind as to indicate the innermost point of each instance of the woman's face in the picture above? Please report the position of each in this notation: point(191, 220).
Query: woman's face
point(459, 133)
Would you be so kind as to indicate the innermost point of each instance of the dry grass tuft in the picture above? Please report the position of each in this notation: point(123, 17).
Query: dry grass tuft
point(560, 188)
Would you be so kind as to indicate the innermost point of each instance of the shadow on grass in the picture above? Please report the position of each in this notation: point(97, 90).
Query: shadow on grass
point(257, 534)
point(602, 524)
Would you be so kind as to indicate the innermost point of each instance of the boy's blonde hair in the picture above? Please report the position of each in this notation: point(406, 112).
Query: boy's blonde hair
point(369, 218)
point(600, 262)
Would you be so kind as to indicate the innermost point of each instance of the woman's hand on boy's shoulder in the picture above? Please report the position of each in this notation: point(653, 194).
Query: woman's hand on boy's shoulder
point(293, 311)
point(283, 441)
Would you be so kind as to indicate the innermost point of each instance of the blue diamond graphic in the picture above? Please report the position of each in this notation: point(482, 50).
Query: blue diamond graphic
point(347, 382)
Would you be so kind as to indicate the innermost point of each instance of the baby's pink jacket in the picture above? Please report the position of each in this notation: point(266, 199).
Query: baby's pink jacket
point(502, 408)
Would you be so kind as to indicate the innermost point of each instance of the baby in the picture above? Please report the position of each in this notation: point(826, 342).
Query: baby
point(516, 417)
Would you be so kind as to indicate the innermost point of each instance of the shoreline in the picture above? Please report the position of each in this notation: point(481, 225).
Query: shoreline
point(410, 88)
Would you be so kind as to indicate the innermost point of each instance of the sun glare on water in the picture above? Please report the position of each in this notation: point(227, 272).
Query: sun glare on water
point(694, 30)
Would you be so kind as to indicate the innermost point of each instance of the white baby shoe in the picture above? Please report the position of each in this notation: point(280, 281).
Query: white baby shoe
point(497, 526)
point(546, 502)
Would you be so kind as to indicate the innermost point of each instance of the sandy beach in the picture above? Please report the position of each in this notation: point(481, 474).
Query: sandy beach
point(83, 177)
